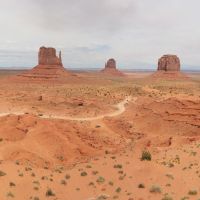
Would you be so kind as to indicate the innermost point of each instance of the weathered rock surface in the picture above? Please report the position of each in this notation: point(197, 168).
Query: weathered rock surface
point(49, 66)
point(47, 56)
point(169, 68)
point(111, 68)
point(111, 63)
point(169, 63)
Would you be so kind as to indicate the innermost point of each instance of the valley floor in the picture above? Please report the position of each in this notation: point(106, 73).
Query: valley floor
point(85, 140)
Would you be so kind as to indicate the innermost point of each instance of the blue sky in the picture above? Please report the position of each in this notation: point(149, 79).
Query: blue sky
point(134, 32)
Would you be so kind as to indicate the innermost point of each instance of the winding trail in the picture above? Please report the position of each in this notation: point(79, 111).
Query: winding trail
point(120, 109)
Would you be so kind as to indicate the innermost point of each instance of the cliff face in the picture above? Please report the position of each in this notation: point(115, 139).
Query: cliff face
point(47, 56)
point(49, 66)
point(111, 68)
point(169, 63)
point(111, 63)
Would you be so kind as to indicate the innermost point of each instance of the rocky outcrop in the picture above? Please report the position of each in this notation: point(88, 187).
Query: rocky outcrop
point(169, 63)
point(111, 68)
point(47, 56)
point(111, 64)
point(49, 66)
point(169, 68)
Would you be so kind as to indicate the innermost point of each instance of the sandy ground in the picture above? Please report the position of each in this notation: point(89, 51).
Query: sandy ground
point(84, 140)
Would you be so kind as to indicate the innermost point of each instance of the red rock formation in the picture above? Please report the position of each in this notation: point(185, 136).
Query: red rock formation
point(49, 66)
point(169, 63)
point(169, 68)
point(47, 56)
point(111, 69)
point(111, 63)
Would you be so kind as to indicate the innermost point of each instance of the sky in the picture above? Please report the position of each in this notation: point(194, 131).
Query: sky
point(88, 32)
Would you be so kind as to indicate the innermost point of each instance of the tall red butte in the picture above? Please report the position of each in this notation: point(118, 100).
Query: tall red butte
point(49, 66)
point(111, 68)
point(169, 66)
point(169, 63)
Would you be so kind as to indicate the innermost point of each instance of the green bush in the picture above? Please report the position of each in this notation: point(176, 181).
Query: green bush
point(141, 185)
point(63, 182)
point(167, 198)
point(192, 192)
point(67, 176)
point(10, 194)
point(2, 173)
point(118, 190)
point(101, 179)
point(49, 192)
point(118, 166)
point(155, 189)
point(83, 173)
point(12, 184)
point(146, 155)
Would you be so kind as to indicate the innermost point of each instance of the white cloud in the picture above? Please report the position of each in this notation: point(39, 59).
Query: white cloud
point(135, 32)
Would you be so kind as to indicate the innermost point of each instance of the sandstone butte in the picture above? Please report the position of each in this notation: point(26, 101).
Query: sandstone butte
point(169, 67)
point(111, 68)
point(49, 66)
point(169, 63)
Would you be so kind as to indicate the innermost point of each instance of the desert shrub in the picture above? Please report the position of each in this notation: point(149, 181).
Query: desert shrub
point(102, 197)
point(21, 174)
point(101, 179)
point(91, 184)
point(49, 192)
point(67, 176)
point(146, 155)
point(63, 182)
point(192, 192)
point(36, 188)
point(17, 162)
point(33, 174)
point(2, 173)
point(118, 166)
point(106, 152)
point(186, 198)
point(11, 184)
point(95, 172)
point(155, 189)
point(170, 176)
point(36, 182)
point(167, 198)
point(83, 173)
point(141, 185)
point(10, 194)
point(44, 178)
point(28, 169)
point(118, 190)
point(111, 183)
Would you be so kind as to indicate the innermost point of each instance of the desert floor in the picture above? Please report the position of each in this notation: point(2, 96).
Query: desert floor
point(84, 139)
